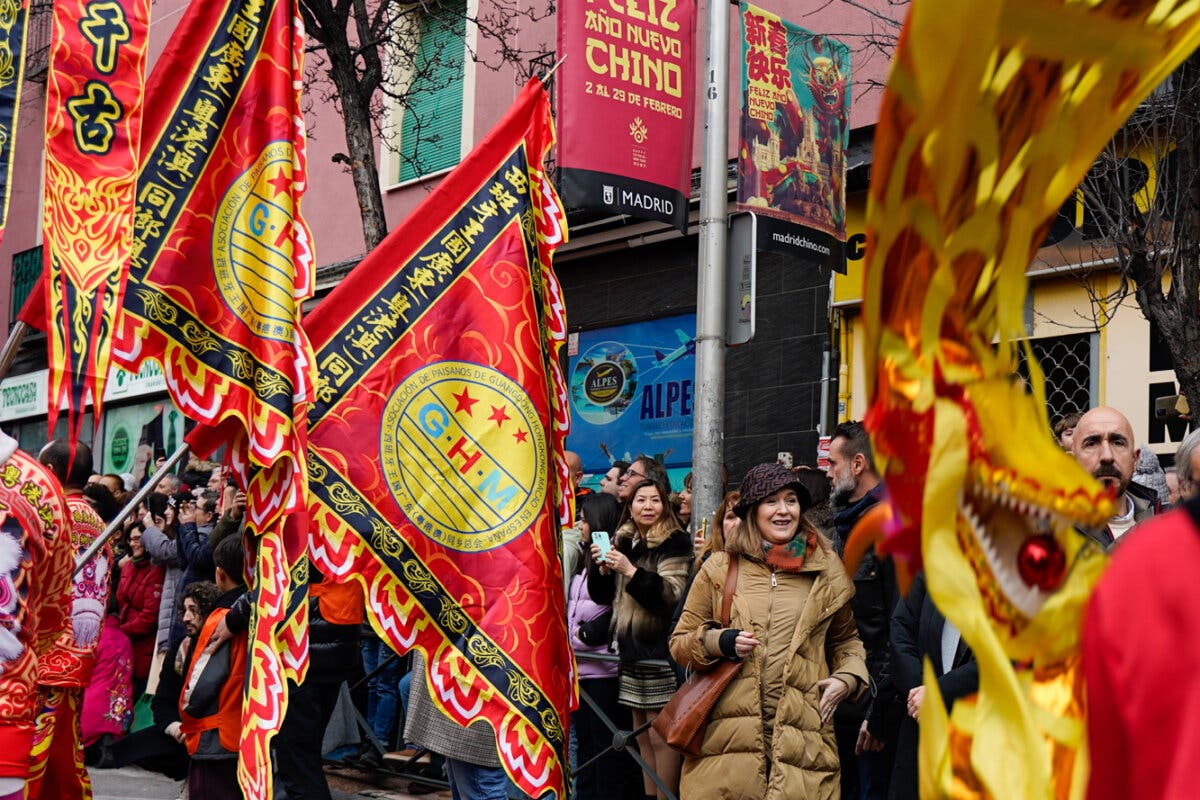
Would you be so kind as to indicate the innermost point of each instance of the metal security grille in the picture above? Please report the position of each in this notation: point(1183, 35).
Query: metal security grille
point(27, 268)
point(1067, 363)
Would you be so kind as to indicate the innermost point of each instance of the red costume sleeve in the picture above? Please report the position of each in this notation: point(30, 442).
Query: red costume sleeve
point(33, 519)
point(1106, 730)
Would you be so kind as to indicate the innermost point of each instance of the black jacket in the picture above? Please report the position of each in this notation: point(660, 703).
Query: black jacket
point(875, 597)
point(333, 650)
point(642, 627)
point(916, 633)
point(165, 703)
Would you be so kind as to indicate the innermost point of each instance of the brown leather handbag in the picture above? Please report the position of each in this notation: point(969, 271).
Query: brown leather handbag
point(683, 720)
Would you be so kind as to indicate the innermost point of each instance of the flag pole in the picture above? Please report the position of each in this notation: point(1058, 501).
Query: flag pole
point(129, 508)
point(8, 353)
point(709, 421)
point(545, 79)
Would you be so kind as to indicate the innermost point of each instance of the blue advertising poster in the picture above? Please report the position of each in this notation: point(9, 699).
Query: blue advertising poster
point(631, 393)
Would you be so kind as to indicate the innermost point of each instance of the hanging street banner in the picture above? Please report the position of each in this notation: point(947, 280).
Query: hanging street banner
point(12, 53)
point(220, 265)
point(632, 392)
point(626, 107)
point(94, 86)
point(436, 440)
point(795, 128)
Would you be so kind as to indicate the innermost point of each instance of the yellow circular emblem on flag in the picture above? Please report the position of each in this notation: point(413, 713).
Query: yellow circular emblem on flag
point(252, 245)
point(464, 454)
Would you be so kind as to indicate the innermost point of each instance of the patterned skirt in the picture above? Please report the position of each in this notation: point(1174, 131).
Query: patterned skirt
point(645, 687)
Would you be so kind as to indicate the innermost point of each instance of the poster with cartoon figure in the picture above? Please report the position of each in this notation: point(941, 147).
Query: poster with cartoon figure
point(795, 128)
point(631, 393)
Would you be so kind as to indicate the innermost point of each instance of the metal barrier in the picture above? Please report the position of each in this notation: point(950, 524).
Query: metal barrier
point(622, 739)
point(410, 766)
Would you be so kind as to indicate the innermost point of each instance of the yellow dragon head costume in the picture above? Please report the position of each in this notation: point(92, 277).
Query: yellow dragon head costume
point(994, 111)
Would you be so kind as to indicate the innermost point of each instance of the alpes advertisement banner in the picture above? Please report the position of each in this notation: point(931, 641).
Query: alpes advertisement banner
point(632, 392)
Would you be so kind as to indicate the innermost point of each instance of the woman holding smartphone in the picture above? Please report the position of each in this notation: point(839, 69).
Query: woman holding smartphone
point(614, 775)
point(643, 576)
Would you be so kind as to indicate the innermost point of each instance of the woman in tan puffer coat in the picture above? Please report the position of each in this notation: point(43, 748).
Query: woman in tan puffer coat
point(770, 734)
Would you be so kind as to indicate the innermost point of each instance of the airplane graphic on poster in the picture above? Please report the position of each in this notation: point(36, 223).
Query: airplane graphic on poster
point(687, 347)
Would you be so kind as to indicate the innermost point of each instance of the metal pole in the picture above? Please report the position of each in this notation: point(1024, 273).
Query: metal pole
point(708, 439)
point(11, 345)
point(823, 420)
point(129, 508)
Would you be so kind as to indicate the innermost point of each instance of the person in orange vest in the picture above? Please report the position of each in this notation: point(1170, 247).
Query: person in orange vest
point(57, 770)
point(210, 707)
point(35, 601)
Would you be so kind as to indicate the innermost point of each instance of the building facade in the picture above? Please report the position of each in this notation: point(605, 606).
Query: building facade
point(615, 271)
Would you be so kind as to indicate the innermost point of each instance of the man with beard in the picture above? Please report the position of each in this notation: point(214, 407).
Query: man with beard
point(160, 747)
point(213, 682)
point(1104, 446)
point(868, 729)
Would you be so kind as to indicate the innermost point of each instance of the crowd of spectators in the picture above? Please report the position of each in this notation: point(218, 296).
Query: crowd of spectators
point(883, 650)
point(826, 704)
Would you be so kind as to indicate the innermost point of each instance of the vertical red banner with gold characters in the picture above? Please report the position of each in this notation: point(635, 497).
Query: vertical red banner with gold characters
point(13, 27)
point(627, 106)
point(221, 262)
point(94, 87)
point(438, 359)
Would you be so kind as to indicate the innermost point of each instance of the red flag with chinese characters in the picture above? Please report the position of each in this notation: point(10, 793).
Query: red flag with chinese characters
point(221, 264)
point(438, 358)
point(94, 87)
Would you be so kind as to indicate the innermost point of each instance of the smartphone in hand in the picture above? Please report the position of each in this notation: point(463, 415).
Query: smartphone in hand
point(601, 540)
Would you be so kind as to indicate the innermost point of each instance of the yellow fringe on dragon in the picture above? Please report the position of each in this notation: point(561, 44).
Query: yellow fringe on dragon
point(994, 111)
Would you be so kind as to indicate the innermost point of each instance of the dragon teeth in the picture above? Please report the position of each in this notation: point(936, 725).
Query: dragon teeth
point(1026, 599)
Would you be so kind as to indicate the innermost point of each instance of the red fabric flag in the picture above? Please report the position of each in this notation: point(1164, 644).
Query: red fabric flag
point(33, 312)
point(94, 91)
point(438, 358)
point(221, 264)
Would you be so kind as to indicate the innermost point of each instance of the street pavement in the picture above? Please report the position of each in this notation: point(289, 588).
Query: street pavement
point(133, 783)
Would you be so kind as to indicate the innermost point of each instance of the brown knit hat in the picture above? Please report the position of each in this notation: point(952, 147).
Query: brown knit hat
point(765, 480)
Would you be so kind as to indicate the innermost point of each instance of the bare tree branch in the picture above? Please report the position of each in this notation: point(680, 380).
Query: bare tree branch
point(363, 58)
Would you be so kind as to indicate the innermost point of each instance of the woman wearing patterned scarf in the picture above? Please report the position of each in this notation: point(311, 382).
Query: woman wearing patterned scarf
point(770, 734)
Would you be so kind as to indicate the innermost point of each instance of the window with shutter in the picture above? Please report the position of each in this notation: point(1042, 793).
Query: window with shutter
point(431, 132)
point(27, 269)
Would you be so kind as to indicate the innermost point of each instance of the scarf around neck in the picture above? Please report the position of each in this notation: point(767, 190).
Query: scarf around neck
point(789, 557)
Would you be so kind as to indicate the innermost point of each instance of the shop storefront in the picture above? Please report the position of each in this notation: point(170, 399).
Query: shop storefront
point(139, 418)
